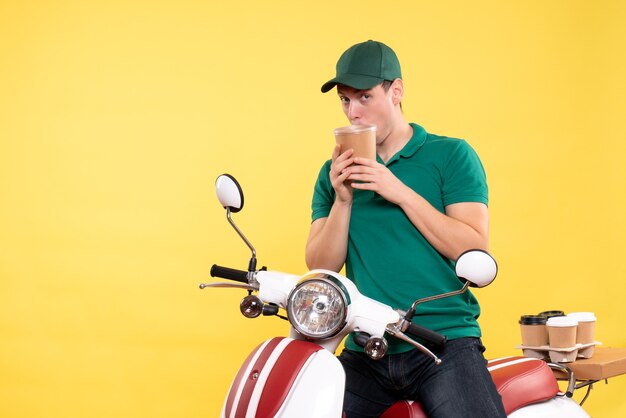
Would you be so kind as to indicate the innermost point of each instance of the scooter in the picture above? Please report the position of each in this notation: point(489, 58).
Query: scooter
point(299, 375)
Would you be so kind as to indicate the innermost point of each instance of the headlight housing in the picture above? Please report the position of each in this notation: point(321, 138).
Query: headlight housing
point(318, 307)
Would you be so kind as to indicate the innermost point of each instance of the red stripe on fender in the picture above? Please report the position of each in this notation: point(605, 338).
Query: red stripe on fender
point(247, 380)
point(237, 382)
point(282, 376)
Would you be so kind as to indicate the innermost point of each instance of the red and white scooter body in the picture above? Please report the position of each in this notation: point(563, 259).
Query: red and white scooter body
point(284, 377)
point(291, 377)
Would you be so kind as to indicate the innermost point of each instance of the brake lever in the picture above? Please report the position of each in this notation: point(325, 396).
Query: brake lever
point(393, 330)
point(251, 287)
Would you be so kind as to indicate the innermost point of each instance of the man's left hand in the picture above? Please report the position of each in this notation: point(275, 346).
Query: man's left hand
point(368, 174)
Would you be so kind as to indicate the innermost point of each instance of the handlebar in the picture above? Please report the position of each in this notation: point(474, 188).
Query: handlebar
point(416, 331)
point(228, 273)
point(426, 335)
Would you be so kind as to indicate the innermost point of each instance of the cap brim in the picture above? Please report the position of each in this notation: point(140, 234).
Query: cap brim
point(356, 81)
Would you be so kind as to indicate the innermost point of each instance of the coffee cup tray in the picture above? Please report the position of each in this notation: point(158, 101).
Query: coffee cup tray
point(559, 355)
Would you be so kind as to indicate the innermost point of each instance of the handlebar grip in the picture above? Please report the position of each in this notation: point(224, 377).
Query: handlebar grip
point(228, 273)
point(427, 335)
point(360, 338)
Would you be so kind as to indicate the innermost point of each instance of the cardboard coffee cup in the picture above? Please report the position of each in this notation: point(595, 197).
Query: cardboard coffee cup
point(562, 331)
point(534, 331)
point(361, 138)
point(586, 331)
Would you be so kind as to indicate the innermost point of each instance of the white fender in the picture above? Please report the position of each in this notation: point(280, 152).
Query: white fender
point(318, 390)
point(554, 408)
point(287, 378)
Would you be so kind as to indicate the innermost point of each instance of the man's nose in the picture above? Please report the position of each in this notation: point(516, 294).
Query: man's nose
point(354, 111)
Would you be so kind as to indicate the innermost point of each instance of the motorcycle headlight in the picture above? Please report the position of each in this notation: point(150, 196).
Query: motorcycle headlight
point(317, 308)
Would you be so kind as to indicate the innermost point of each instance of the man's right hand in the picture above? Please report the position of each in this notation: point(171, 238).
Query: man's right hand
point(339, 175)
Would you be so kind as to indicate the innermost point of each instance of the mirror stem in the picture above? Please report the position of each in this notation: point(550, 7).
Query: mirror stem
point(444, 295)
point(252, 265)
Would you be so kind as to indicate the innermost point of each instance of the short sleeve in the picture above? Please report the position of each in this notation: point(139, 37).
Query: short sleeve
point(464, 176)
point(323, 194)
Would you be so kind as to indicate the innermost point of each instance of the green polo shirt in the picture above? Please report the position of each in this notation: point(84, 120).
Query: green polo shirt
point(388, 258)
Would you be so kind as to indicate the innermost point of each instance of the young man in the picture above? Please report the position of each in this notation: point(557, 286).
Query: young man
point(399, 223)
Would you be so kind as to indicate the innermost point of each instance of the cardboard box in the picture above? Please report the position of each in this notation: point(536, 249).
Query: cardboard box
point(606, 362)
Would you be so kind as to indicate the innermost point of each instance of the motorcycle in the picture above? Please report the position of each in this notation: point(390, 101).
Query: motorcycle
point(299, 375)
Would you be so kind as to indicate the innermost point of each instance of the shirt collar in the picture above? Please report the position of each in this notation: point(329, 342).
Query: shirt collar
point(415, 143)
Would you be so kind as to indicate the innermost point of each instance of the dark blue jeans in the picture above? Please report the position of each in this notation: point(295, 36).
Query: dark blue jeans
point(460, 386)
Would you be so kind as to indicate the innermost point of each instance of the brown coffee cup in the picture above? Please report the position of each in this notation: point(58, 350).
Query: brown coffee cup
point(533, 329)
point(360, 138)
point(586, 332)
point(562, 331)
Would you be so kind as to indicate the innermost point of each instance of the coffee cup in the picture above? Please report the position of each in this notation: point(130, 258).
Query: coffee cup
point(360, 138)
point(533, 329)
point(586, 331)
point(562, 331)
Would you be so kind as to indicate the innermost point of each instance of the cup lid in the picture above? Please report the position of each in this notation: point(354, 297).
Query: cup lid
point(353, 129)
point(562, 321)
point(532, 320)
point(550, 314)
point(582, 316)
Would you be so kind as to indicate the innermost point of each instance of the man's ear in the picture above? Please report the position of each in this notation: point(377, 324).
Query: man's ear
point(397, 91)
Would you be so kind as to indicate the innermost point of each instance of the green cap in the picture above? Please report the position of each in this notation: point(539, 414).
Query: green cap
point(365, 65)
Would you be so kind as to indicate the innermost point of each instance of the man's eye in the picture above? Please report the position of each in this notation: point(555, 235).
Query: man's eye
point(366, 96)
point(344, 99)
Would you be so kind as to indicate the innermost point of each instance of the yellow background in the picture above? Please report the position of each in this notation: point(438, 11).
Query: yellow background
point(116, 117)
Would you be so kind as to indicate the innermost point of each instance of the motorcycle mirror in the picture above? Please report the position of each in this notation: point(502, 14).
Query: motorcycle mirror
point(477, 267)
point(229, 193)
